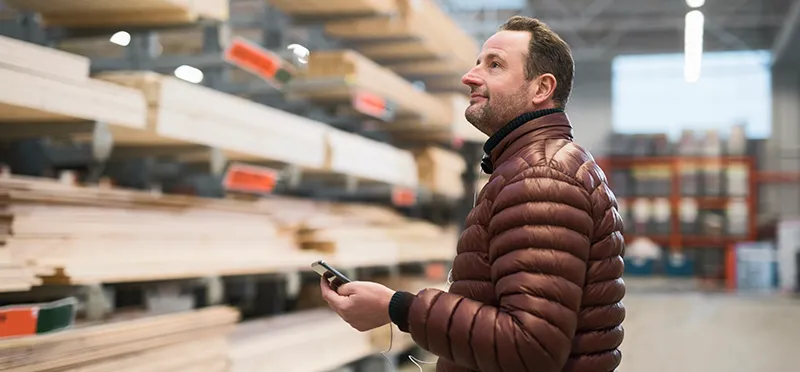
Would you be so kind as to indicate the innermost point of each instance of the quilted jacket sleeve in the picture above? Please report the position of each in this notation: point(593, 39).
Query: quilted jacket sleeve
point(540, 237)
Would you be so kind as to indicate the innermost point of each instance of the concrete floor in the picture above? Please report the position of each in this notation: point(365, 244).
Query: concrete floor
point(673, 328)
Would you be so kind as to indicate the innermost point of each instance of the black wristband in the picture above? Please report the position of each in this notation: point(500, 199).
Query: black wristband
point(399, 307)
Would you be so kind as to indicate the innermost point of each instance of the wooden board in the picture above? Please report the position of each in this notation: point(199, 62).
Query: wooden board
point(440, 171)
point(334, 7)
point(37, 98)
point(420, 21)
point(139, 340)
point(40, 60)
point(348, 71)
point(102, 13)
point(358, 156)
point(299, 342)
point(196, 114)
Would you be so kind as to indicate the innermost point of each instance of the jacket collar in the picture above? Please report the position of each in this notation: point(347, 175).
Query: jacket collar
point(541, 124)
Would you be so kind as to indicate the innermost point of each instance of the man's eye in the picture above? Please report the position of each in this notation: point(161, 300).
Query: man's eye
point(494, 65)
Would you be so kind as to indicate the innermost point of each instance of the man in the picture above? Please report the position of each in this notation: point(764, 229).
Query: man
point(537, 278)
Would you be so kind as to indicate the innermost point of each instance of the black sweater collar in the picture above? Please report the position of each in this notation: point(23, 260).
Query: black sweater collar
point(495, 139)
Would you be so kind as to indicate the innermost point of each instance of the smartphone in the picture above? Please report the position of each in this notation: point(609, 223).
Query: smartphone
point(334, 277)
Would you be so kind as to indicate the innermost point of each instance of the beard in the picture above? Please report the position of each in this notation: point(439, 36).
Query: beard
point(496, 110)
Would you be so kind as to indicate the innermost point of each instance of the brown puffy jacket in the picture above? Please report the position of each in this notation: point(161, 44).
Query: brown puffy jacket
point(537, 282)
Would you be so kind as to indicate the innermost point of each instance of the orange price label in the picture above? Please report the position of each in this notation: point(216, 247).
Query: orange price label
point(373, 105)
point(255, 59)
point(435, 271)
point(18, 321)
point(250, 179)
point(403, 197)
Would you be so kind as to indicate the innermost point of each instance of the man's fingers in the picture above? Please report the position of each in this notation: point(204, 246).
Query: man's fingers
point(329, 295)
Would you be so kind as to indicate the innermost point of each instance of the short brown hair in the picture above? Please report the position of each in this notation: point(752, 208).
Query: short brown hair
point(547, 53)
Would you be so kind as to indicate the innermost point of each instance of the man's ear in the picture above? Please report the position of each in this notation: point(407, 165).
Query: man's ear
point(544, 86)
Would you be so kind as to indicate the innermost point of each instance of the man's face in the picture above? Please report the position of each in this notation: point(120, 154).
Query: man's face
point(499, 90)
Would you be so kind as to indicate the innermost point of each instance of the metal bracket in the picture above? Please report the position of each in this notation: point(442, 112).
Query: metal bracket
point(218, 161)
point(98, 301)
point(214, 290)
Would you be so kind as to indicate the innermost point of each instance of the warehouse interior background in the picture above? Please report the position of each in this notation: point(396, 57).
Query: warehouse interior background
point(171, 168)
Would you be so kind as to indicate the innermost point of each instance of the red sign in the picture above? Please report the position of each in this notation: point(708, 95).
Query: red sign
point(255, 59)
point(250, 179)
point(403, 197)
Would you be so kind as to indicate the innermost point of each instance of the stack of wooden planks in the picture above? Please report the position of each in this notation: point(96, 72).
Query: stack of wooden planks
point(441, 171)
point(412, 129)
point(355, 237)
point(103, 13)
point(335, 76)
point(183, 112)
point(194, 341)
point(422, 29)
point(14, 276)
point(309, 341)
point(77, 235)
point(333, 8)
point(54, 86)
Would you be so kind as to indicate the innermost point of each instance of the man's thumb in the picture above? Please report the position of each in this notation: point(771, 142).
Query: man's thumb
point(347, 289)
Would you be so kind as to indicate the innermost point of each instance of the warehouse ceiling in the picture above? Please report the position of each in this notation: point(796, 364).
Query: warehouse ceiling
point(601, 29)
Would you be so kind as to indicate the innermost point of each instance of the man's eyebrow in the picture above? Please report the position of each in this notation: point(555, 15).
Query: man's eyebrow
point(489, 55)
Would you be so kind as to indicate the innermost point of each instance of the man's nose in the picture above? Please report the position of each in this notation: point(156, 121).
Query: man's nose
point(471, 79)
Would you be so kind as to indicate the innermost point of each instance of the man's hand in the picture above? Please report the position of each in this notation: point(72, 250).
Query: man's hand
point(363, 305)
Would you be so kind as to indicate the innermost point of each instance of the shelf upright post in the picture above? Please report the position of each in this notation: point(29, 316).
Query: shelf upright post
point(676, 236)
point(472, 153)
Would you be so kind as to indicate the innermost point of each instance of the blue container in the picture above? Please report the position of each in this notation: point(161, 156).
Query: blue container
point(678, 265)
point(640, 266)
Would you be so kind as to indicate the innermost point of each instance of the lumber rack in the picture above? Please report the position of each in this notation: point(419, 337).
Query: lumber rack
point(45, 149)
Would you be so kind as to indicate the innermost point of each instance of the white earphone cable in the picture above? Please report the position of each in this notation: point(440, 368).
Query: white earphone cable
point(413, 359)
